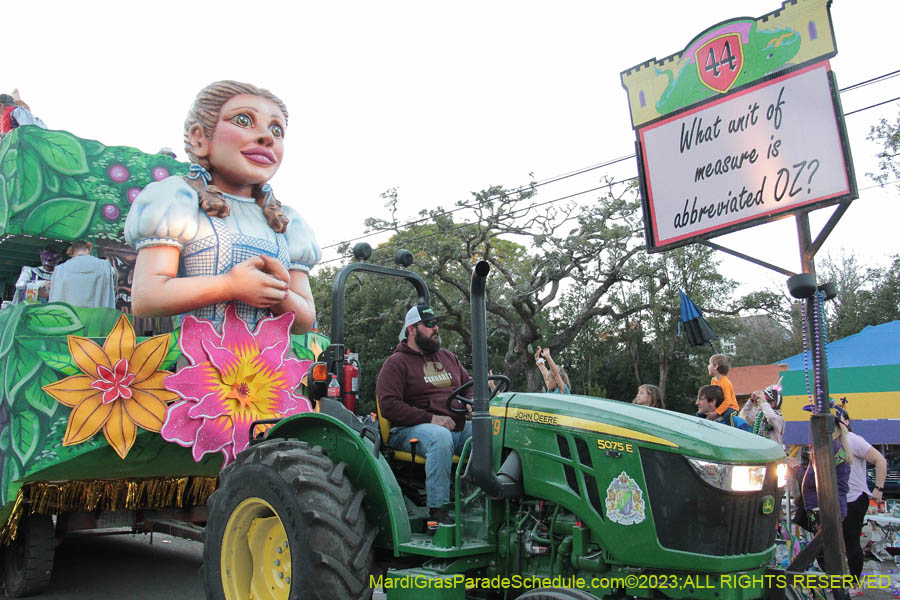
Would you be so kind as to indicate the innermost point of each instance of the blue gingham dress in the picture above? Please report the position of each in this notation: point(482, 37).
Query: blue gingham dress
point(167, 213)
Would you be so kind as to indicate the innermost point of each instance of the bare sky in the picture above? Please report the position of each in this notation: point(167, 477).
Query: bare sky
point(438, 99)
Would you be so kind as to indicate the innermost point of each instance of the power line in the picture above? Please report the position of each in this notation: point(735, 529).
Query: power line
point(581, 171)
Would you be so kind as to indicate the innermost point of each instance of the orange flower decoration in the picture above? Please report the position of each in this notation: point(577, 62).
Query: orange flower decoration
point(120, 389)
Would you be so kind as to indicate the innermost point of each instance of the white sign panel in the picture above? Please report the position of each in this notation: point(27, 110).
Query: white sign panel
point(766, 150)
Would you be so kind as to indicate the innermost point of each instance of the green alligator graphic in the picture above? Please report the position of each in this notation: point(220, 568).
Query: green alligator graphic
point(766, 51)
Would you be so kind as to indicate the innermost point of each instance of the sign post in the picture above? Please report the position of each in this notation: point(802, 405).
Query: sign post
point(741, 127)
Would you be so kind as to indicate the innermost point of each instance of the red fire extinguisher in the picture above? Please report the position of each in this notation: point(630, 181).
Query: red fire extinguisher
point(351, 380)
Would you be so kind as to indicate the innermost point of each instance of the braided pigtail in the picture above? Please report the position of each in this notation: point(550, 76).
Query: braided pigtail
point(212, 202)
point(272, 209)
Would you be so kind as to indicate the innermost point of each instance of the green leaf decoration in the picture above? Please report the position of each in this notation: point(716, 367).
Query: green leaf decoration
point(93, 148)
point(174, 352)
point(30, 180)
point(21, 367)
point(60, 150)
point(66, 218)
point(10, 164)
point(4, 438)
point(51, 181)
point(9, 331)
point(51, 319)
point(37, 398)
point(59, 361)
point(10, 187)
point(70, 186)
point(26, 429)
point(9, 140)
point(4, 205)
point(11, 474)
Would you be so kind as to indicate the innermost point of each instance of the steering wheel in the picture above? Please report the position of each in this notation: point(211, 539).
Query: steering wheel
point(457, 393)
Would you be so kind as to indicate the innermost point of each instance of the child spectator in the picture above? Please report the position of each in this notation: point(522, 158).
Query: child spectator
point(719, 365)
point(649, 395)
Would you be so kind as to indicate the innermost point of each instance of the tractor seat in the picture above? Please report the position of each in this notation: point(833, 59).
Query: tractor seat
point(384, 426)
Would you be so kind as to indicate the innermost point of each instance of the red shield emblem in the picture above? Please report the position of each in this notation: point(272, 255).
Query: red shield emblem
point(719, 62)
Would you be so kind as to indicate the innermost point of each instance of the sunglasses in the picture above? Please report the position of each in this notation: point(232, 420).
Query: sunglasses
point(431, 323)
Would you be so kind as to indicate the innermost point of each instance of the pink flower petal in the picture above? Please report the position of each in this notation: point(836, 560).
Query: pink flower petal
point(211, 406)
point(105, 373)
point(214, 435)
point(271, 329)
point(282, 402)
point(235, 334)
point(192, 382)
point(121, 369)
point(223, 359)
point(194, 332)
point(178, 427)
point(102, 385)
point(293, 371)
point(273, 356)
point(241, 433)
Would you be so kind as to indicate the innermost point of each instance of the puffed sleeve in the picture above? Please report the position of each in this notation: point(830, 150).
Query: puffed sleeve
point(302, 245)
point(165, 213)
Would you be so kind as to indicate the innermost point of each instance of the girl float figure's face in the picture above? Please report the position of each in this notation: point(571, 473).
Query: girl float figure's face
point(247, 144)
point(643, 397)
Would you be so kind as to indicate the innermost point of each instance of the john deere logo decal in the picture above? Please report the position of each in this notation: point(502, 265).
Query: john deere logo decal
point(624, 501)
point(768, 505)
point(719, 62)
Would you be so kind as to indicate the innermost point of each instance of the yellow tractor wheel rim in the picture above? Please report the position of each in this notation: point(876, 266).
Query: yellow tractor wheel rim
point(256, 555)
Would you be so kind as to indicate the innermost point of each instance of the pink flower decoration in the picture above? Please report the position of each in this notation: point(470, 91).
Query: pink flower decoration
point(114, 384)
point(234, 379)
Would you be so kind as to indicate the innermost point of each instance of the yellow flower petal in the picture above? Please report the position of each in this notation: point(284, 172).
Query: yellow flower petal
point(120, 342)
point(148, 355)
point(146, 410)
point(86, 419)
point(120, 431)
point(87, 355)
point(154, 385)
point(71, 390)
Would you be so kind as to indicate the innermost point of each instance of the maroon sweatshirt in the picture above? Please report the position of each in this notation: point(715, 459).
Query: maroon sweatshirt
point(412, 387)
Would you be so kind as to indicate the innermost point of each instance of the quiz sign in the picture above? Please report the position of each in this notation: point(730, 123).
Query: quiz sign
point(769, 149)
point(741, 126)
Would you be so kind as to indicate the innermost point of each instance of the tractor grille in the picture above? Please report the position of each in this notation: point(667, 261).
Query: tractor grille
point(693, 516)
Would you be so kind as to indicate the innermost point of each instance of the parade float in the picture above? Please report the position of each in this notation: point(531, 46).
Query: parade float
point(91, 435)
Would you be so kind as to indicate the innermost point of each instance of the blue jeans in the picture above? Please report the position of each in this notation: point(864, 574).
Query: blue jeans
point(438, 445)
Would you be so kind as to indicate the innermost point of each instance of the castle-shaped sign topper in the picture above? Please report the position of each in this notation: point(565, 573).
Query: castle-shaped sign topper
point(728, 56)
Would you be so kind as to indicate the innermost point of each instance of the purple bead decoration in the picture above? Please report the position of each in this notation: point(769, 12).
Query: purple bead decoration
point(160, 173)
point(118, 173)
point(111, 212)
point(132, 194)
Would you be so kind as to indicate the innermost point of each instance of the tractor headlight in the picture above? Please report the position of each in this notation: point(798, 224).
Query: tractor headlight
point(781, 471)
point(731, 478)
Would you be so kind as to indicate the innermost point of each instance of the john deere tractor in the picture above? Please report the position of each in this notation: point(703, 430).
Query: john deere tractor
point(555, 497)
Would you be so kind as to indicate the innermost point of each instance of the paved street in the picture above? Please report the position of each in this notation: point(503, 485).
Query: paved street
point(127, 567)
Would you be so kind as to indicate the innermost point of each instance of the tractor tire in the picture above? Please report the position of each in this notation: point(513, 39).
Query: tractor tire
point(286, 524)
point(556, 594)
point(28, 560)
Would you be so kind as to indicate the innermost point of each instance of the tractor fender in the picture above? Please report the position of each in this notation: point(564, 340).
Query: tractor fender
point(384, 504)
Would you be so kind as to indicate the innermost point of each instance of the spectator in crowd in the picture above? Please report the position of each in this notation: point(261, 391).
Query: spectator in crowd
point(84, 280)
point(34, 282)
point(649, 395)
point(709, 399)
point(15, 113)
point(761, 411)
point(556, 379)
point(808, 507)
point(861, 452)
point(719, 365)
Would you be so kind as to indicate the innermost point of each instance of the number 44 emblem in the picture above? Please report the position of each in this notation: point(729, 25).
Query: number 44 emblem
point(719, 62)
